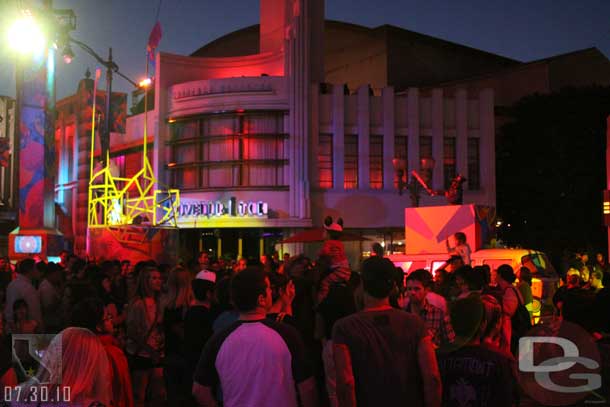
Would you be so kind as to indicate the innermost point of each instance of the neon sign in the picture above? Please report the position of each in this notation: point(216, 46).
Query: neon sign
point(232, 207)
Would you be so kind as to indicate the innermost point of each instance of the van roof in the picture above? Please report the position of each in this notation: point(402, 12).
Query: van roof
point(501, 253)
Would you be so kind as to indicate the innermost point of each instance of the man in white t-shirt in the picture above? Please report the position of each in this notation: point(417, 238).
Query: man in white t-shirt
point(255, 361)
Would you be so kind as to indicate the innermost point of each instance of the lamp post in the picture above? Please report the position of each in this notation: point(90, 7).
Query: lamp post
point(35, 113)
point(417, 182)
point(34, 145)
point(400, 167)
point(111, 67)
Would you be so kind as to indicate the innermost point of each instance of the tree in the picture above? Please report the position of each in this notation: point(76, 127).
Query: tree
point(551, 170)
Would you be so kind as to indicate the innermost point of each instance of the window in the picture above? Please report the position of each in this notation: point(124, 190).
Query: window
point(376, 162)
point(449, 162)
point(474, 164)
point(229, 151)
point(186, 134)
point(425, 147)
point(401, 151)
point(350, 168)
point(325, 161)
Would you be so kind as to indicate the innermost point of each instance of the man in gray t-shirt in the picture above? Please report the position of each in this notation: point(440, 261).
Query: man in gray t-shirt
point(384, 356)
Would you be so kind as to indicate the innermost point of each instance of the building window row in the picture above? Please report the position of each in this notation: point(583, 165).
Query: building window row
point(401, 150)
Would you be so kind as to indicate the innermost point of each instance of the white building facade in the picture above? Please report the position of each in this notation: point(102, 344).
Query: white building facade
point(261, 148)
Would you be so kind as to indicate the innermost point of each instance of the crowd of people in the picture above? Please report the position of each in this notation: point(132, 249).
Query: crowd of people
point(289, 332)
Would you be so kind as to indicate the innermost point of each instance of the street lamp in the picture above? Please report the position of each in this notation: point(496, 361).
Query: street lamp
point(417, 182)
point(111, 67)
point(400, 167)
point(25, 36)
point(37, 35)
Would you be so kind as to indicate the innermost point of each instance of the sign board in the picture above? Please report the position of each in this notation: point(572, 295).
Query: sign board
point(229, 208)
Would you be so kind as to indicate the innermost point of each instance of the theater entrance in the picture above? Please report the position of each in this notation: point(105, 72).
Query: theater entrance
point(229, 243)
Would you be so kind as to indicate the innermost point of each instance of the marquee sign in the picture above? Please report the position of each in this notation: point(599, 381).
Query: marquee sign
point(232, 207)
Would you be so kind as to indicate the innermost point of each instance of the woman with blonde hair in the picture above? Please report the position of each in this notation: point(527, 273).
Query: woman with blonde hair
point(75, 373)
point(146, 338)
point(176, 304)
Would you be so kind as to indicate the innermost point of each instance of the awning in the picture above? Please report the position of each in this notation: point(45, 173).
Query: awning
point(319, 235)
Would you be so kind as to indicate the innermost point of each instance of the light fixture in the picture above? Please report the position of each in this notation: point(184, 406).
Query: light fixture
point(427, 163)
point(67, 53)
point(400, 167)
point(144, 83)
point(25, 36)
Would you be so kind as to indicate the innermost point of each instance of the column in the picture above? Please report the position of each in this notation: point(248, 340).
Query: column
point(413, 128)
point(303, 66)
point(338, 136)
point(389, 127)
point(364, 128)
point(487, 146)
point(461, 129)
point(438, 130)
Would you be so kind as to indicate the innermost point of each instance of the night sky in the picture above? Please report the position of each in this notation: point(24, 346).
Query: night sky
point(521, 29)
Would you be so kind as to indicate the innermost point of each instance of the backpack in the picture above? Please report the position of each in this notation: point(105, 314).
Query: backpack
point(521, 323)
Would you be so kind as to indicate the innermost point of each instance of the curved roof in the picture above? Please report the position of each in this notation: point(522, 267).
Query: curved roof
point(401, 57)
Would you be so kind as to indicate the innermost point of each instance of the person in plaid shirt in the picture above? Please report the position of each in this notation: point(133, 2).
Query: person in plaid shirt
point(436, 320)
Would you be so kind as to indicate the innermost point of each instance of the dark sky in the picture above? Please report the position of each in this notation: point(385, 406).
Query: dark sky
point(521, 29)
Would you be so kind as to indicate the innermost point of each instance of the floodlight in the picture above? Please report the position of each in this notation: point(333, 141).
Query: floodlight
point(25, 36)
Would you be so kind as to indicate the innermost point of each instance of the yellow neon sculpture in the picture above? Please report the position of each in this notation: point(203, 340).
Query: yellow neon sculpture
point(110, 203)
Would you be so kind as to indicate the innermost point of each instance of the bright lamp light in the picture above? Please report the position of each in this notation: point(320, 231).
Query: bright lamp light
point(25, 36)
point(144, 83)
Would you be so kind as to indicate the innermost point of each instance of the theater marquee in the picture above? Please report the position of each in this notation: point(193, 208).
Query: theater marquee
point(190, 209)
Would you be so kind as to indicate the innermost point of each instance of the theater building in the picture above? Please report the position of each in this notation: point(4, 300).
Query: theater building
point(262, 145)
point(267, 130)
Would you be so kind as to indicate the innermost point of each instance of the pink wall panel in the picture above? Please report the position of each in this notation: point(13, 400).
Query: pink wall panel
point(427, 228)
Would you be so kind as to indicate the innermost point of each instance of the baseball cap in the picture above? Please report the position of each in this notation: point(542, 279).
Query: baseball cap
point(206, 275)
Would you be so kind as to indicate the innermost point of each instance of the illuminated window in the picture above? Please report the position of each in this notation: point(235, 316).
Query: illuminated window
point(401, 151)
point(185, 151)
point(325, 161)
point(449, 162)
point(376, 161)
point(474, 164)
point(236, 150)
point(350, 167)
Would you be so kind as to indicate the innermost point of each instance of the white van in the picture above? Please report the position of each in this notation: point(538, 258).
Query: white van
point(544, 276)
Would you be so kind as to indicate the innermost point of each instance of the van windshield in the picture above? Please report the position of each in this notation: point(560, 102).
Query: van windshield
point(539, 265)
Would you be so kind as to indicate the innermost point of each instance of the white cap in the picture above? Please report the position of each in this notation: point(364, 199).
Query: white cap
point(206, 275)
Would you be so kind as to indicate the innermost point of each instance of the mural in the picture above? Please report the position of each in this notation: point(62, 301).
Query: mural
point(35, 156)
